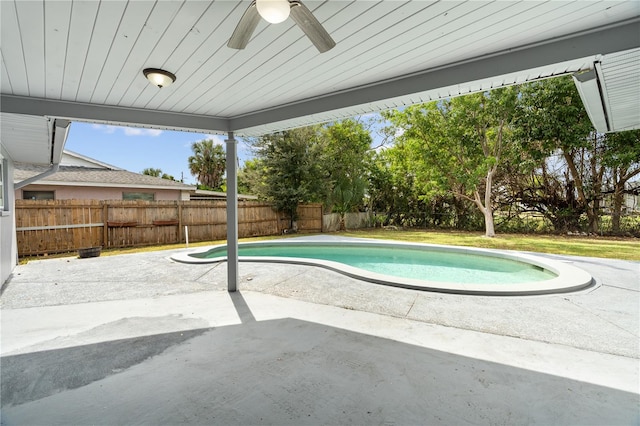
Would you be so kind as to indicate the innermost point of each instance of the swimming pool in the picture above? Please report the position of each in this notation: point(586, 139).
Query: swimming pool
point(417, 266)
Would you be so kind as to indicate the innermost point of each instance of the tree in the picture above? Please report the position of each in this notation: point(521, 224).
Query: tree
point(150, 171)
point(458, 145)
point(249, 178)
point(393, 190)
point(347, 194)
point(346, 155)
point(543, 186)
point(551, 119)
point(622, 157)
point(289, 169)
point(207, 164)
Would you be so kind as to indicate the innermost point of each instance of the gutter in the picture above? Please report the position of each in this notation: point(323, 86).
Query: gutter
point(53, 169)
point(59, 137)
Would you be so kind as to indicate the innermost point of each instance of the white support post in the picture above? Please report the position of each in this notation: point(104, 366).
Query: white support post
point(232, 213)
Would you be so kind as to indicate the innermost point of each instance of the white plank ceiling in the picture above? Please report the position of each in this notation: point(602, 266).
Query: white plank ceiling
point(84, 59)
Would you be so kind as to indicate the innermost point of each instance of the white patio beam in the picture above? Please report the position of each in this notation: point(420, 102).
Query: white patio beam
point(79, 111)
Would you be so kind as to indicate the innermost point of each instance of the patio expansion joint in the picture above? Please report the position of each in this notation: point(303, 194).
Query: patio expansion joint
point(207, 271)
point(621, 288)
point(287, 279)
point(603, 319)
point(271, 287)
point(406, 315)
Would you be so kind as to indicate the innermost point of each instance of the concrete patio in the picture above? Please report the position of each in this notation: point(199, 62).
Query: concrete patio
point(140, 339)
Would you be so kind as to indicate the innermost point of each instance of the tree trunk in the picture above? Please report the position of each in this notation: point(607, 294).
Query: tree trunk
point(592, 215)
point(489, 230)
point(597, 173)
point(488, 224)
point(616, 213)
point(488, 205)
point(343, 222)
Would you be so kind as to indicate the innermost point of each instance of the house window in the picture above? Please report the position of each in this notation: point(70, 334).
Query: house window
point(145, 196)
point(38, 195)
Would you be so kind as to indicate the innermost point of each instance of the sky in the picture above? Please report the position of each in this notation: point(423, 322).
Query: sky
point(135, 149)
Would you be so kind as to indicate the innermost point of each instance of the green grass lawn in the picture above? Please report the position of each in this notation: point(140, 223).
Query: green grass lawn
point(612, 248)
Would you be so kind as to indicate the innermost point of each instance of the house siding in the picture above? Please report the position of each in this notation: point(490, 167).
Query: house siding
point(99, 193)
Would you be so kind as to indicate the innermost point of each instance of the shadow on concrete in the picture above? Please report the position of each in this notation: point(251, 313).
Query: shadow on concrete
point(289, 371)
point(32, 376)
point(242, 309)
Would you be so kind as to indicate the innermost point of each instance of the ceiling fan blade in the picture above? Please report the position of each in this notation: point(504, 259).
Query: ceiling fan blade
point(245, 28)
point(310, 26)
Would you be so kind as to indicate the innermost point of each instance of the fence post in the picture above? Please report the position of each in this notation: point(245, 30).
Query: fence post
point(105, 222)
point(179, 221)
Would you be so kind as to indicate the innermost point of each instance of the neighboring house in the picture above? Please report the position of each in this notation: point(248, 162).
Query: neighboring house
point(81, 177)
point(203, 194)
point(631, 200)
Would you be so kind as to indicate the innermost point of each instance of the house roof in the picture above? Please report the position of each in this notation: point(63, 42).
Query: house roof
point(70, 158)
point(97, 177)
point(84, 60)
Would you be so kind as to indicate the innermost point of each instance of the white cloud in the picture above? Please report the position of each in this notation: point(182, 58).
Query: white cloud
point(128, 131)
point(217, 139)
point(131, 131)
point(105, 128)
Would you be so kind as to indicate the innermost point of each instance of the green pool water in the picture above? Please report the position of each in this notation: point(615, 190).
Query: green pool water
point(421, 263)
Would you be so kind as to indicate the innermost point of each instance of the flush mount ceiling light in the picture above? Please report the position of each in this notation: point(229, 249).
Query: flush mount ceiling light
point(275, 11)
point(158, 77)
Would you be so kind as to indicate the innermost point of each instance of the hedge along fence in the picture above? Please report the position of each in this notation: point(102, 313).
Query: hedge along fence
point(58, 226)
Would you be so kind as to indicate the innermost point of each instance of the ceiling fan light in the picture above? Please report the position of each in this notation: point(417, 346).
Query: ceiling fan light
point(273, 11)
point(158, 77)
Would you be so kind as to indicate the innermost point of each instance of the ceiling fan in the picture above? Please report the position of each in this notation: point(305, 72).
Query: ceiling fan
point(275, 11)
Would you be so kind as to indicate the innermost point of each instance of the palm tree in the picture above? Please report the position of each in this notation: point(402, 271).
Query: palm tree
point(207, 163)
point(150, 171)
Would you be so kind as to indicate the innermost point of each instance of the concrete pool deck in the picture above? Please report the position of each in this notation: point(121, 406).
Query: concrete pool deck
point(138, 338)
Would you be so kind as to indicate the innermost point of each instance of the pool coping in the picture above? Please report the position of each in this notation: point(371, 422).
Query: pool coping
point(569, 278)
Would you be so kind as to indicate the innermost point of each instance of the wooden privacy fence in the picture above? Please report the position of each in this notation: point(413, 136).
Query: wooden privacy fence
point(57, 226)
